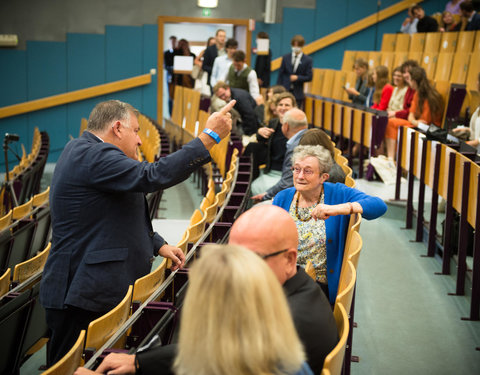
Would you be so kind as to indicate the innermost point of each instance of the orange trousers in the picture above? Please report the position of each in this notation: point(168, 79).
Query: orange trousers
point(393, 125)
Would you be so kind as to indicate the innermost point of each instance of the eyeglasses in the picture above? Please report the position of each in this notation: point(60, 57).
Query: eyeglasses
point(272, 254)
point(306, 172)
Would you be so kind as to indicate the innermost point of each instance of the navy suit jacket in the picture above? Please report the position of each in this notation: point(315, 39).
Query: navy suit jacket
point(102, 238)
point(474, 24)
point(304, 73)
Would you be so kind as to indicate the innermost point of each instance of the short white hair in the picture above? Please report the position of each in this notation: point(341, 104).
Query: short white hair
point(323, 156)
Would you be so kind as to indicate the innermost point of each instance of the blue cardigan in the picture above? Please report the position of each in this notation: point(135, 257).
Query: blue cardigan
point(336, 226)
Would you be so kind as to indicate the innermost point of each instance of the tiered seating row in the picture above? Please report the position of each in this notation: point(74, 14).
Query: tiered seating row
point(25, 177)
point(452, 173)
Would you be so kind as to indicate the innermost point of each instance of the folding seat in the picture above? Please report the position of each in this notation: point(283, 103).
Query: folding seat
point(448, 42)
point(465, 41)
point(460, 67)
point(417, 43)
point(444, 66)
point(334, 360)
point(402, 43)
point(388, 42)
point(429, 63)
point(432, 42)
point(70, 361)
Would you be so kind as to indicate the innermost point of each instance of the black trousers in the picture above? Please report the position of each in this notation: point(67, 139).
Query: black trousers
point(65, 326)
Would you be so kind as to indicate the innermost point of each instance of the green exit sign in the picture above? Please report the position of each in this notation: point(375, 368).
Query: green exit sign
point(206, 12)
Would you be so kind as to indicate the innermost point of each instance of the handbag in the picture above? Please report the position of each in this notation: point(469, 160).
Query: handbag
point(197, 72)
point(434, 133)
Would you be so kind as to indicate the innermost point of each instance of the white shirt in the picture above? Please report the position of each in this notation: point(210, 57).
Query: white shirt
point(296, 61)
point(220, 69)
point(252, 81)
point(475, 124)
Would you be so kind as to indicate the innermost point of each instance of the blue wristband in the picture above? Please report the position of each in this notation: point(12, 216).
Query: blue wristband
point(212, 134)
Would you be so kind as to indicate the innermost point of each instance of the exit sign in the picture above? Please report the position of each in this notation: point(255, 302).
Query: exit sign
point(206, 12)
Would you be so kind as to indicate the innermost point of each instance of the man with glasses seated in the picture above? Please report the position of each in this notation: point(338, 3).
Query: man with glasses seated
point(270, 232)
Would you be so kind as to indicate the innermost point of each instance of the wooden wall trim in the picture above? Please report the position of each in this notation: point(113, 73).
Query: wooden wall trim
point(75, 96)
point(356, 27)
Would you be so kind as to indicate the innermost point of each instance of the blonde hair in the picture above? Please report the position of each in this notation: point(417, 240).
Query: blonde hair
point(325, 161)
point(235, 319)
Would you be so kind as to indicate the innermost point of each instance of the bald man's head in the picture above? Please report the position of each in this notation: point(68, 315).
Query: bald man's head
point(266, 230)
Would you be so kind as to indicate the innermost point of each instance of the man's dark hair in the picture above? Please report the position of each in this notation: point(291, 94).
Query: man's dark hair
point(238, 56)
point(219, 31)
point(262, 35)
point(231, 43)
point(172, 37)
point(299, 40)
point(409, 64)
point(416, 7)
point(467, 6)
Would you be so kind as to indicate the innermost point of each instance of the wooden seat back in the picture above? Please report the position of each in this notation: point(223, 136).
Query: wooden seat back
point(5, 282)
point(41, 199)
point(70, 361)
point(101, 329)
point(23, 210)
point(334, 360)
point(346, 286)
point(145, 286)
point(31, 266)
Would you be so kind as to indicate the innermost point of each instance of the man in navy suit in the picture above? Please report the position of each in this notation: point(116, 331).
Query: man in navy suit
point(212, 52)
point(102, 238)
point(472, 18)
point(296, 69)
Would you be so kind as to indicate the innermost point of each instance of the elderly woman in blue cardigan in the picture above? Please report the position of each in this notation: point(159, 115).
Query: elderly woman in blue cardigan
point(321, 211)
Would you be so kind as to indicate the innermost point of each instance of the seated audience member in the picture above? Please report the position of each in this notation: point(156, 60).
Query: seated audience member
point(294, 125)
point(185, 80)
point(470, 18)
point(262, 64)
point(409, 25)
point(370, 90)
point(317, 137)
point(407, 101)
point(453, 6)
point(222, 63)
point(241, 76)
point(266, 112)
point(398, 96)
point(271, 143)
point(358, 95)
point(473, 130)
point(426, 108)
point(383, 89)
point(321, 212)
point(447, 22)
point(309, 306)
point(245, 106)
point(426, 24)
point(310, 309)
point(229, 311)
point(295, 70)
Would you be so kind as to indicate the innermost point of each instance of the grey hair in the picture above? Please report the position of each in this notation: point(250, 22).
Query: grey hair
point(106, 112)
point(323, 156)
point(294, 122)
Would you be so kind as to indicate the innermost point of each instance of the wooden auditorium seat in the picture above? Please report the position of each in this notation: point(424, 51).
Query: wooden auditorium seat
point(146, 285)
point(432, 42)
point(448, 42)
point(444, 66)
point(346, 286)
point(388, 42)
point(417, 43)
point(70, 361)
point(6, 220)
point(197, 226)
point(402, 43)
point(460, 67)
point(101, 329)
point(23, 210)
point(24, 270)
point(465, 41)
point(334, 360)
point(41, 199)
point(5, 282)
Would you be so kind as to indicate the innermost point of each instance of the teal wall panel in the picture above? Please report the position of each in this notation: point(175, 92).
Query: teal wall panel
point(85, 60)
point(297, 21)
point(149, 92)
point(54, 122)
point(13, 77)
point(123, 51)
point(77, 110)
point(46, 69)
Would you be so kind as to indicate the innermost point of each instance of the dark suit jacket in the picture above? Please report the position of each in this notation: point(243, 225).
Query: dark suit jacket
point(312, 316)
point(474, 24)
point(262, 67)
point(427, 25)
point(245, 105)
point(102, 235)
point(304, 73)
point(208, 58)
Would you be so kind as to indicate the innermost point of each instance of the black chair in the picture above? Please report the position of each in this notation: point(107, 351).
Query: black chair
point(5, 249)
point(41, 235)
point(22, 241)
point(13, 318)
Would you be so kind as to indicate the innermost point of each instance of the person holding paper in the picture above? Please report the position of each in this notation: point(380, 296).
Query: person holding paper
point(263, 61)
point(184, 80)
